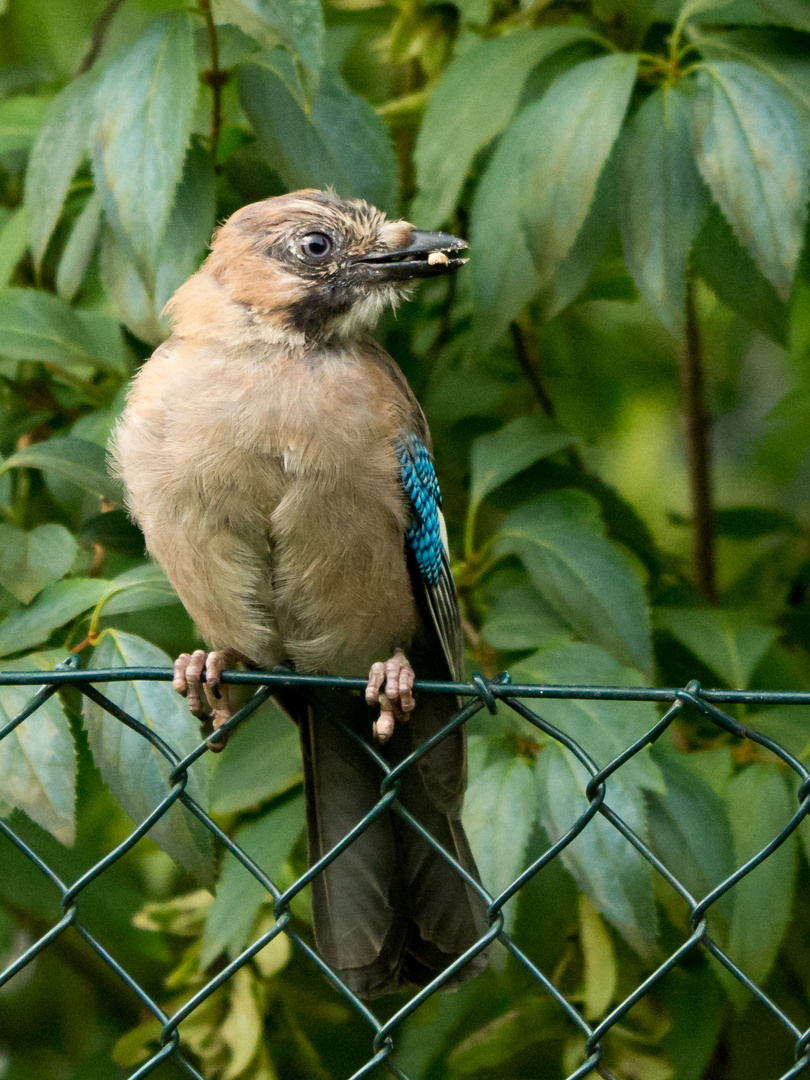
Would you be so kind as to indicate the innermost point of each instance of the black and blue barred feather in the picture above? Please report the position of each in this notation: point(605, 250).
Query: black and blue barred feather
point(424, 531)
point(425, 541)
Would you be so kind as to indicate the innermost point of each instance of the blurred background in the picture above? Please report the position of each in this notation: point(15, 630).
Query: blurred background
point(619, 392)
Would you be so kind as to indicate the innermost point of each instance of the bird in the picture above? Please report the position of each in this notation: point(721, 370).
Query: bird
point(281, 470)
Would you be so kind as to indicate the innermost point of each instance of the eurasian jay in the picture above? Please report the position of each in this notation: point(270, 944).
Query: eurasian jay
point(280, 468)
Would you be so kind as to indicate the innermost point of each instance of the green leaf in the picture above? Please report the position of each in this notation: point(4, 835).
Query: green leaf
point(134, 1048)
point(788, 13)
point(83, 463)
point(604, 728)
point(20, 120)
point(731, 643)
point(14, 243)
point(144, 116)
point(592, 584)
point(752, 152)
point(190, 225)
point(569, 134)
point(35, 325)
point(693, 1001)
point(714, 766)
point(504, 278)
point(298, 24)
point(474, 11)
point(56, 605)
point(135, 772)
point(520, 619)
point(699, 7)
point(788, 426)
point(125, 287)
point(55, 156)
point(573, 273)
point(600, 973)
point(464, 114)
point(498, 821)
point(239, 895)
point(79, 249)
point(262, 760)
point(497, 457)
point(139, 589)
point(38, 759)
point(754, 522)
point(759, 806)
point(789, 725)
point(663, 202)
point(243, 1027)
point(691, 835)
point(530, 1022)
point(781, 57)
point(609, 871)
point(108, 345)
point(31, 560)
point(736, 279)
point(337, 141)
point(115, 532)
point(714, 11)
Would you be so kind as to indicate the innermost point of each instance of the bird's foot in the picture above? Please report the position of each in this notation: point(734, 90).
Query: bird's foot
point(207, 700)
point(396, 698)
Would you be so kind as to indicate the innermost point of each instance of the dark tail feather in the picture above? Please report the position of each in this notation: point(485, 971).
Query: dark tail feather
point(389, 909)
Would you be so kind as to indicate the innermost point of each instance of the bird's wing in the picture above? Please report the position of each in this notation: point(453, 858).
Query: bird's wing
point(426, 538)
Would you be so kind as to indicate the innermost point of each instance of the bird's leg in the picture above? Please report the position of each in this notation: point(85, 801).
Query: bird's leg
point(208, 700)
point(396, 700)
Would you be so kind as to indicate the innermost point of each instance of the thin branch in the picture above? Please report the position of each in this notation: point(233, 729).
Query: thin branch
point(446, 318)
point(529, 367)
point(98, 34)
point(214, 76)
point(525, 343)
point(698, 446)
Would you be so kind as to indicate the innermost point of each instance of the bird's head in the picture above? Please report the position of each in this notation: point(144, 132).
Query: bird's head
point(314, 266)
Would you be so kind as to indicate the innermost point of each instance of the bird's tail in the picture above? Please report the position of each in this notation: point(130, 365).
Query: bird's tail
point(389, 909)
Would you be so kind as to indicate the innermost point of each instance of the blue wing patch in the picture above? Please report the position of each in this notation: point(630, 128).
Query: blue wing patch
point(423, 534)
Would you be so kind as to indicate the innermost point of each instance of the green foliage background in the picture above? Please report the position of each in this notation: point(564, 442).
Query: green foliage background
point(633, 180)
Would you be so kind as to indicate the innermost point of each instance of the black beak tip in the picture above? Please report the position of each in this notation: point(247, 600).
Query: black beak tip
point(427, 255)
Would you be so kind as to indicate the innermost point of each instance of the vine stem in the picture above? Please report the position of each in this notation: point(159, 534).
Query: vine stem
point(528, 366)
point(214, 76)
point(99, 33)
point(698, 446)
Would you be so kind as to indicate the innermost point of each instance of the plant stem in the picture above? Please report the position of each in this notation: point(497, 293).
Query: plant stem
point(214, 76)
point(525, 343)
point(529, 367)
point(698, 446)
point(98, 34)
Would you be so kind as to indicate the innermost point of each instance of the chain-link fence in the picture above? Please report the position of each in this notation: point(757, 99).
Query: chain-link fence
point(480, 694)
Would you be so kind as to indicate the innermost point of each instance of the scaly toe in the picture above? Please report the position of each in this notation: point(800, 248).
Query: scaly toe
point(383, 727)
point(220, 717)
point(198, 706)
point(396, 700)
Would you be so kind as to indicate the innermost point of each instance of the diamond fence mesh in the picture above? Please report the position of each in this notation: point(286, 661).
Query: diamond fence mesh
point(480, 694)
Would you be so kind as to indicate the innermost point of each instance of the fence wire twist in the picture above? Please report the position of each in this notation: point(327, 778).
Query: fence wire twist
point(482, 694)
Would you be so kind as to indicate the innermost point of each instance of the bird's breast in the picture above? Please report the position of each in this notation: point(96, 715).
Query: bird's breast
point(295, 457)
point(343, 597)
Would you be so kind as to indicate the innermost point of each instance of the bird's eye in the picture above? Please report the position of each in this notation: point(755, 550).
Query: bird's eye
point(316, 245)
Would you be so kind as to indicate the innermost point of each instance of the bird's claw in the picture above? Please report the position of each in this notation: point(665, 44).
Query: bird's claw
point(390, 685)
point(208, 700)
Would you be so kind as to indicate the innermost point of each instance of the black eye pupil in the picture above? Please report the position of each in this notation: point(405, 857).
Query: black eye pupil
point(317, 245)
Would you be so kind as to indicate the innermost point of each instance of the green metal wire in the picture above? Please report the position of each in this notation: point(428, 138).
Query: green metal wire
point(478, 694)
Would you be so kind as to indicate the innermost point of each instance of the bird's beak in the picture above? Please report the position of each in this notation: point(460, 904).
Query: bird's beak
point(428, 254)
